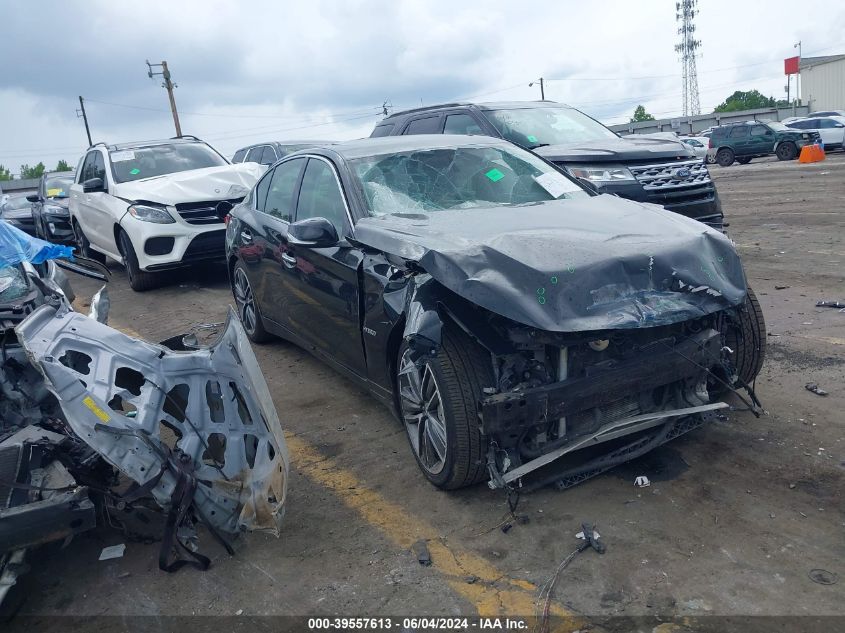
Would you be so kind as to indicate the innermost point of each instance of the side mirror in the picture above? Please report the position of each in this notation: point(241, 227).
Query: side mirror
point(314, 232)
point(93, 185)
point(33, 197)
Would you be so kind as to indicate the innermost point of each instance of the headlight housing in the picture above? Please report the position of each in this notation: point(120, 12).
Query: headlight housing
point(602, 175)
point(54, 209)
point(149, 213)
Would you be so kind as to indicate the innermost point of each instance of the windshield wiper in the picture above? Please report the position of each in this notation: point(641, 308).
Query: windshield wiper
point(539, 145)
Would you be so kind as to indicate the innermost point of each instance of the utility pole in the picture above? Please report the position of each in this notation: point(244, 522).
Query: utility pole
point(165, 73)
point(798, 78)
point(81, 113)
point(542, 91)
point(685, 11)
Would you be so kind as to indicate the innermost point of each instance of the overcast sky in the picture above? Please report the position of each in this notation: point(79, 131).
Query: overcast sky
point(254, 71)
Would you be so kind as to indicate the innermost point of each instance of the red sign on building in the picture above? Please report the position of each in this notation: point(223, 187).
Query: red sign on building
point(790, 65)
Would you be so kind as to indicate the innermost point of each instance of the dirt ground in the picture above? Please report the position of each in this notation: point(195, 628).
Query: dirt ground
point(738, 513)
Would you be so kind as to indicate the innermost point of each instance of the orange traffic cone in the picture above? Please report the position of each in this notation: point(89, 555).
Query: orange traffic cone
point(811, 154)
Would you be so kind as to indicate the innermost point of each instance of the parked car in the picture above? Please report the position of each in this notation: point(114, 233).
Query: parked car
point(831, 129)
point(50, 207)
point(741, 142)
point(17, 211)
point(826, 113)
point(268, 153)
point(155, 205)
point(640, 168)
point(696, 145)
point(503, 310)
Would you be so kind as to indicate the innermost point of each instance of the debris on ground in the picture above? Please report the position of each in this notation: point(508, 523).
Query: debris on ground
point(781, 287)
point(823, 577)
point(112, 551)
point(811, 386)
point(591, 539)
point(830, 304)
point(420, 550)
point(642, 481)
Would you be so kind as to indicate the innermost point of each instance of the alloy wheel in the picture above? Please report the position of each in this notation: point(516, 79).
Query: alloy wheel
point(422, 413)
point(245, 300)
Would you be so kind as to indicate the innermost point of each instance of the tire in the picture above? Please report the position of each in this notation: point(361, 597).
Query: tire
point(748, 339)
point(744, 160)
point(84, 246)
point(725, 157)
point(459, 372)
point(247, 307)
point(786, 151)
point(139, 280)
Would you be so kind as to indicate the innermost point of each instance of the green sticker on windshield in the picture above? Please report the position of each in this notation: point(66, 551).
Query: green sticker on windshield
point(494, 175)
point(135, 171)
point(532, 138)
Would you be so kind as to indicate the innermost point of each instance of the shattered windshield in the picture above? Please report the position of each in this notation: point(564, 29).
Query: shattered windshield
point(458, 178)
point(535, 127)
point(158, 160)
point(58, 186)
point(13, 283)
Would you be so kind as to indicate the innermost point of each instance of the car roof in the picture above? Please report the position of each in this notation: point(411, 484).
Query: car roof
point(487, 105)
point(288, 143)
point(394, 144)
point(186, 139)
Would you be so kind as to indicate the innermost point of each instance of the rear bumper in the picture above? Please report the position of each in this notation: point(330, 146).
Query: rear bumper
point(662, 365)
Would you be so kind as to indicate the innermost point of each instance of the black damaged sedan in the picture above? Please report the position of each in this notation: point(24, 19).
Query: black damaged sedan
point(524, 330)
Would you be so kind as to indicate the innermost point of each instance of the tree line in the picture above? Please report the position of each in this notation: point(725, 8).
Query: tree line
point(738, 101)
point(35, 171)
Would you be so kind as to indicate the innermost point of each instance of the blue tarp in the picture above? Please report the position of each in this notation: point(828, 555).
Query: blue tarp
point(17, 247)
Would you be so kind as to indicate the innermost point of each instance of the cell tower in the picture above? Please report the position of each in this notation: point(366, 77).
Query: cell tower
point(685, 11)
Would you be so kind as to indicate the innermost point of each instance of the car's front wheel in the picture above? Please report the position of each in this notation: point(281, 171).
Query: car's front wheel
point(139, 280)
point(725, 157)
point(787, 151)
point(247, 306)
point(438, 404)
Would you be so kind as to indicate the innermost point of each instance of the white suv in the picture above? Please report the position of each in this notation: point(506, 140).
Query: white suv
point(156, 205)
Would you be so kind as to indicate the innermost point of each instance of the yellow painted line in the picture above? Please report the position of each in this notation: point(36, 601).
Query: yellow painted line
point(493, 594)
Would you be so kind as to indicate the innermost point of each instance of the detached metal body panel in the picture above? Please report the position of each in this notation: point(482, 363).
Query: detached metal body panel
point(140, 405)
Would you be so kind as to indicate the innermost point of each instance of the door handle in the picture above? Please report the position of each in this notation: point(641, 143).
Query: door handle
point(289, 260)
point(246, 236)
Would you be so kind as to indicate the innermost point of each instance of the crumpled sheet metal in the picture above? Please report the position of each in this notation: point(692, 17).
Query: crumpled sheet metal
point(574, 265)
point(219, 398)
point(17, 247)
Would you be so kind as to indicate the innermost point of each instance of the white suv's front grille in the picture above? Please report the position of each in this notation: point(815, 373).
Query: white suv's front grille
point(671, 175)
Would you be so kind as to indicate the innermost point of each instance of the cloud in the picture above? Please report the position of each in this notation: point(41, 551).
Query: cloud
point(250, 72)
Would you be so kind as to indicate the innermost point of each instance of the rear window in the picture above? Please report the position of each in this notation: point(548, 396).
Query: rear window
point(740, 131)
point(382, 130)
point(239, 156)
point(719, 131)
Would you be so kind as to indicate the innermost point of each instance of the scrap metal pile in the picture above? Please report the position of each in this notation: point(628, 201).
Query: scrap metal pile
point(95, 423)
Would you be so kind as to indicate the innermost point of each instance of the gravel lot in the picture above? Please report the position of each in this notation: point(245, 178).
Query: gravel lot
point(737, 515)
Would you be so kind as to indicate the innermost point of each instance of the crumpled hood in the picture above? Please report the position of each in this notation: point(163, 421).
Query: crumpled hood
point(196, 185)
point(570, 265)
point(615, 150)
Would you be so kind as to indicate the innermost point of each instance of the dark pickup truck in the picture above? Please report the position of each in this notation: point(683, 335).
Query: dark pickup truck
point(648, 169)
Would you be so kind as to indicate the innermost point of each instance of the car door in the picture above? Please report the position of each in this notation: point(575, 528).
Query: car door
point(738, 139)
point(265, 249)
point(831, 131)
point(324, 307)
point(761, 140)
point(93, 210)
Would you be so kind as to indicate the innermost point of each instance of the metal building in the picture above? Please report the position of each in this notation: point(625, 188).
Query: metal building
point(823, 82)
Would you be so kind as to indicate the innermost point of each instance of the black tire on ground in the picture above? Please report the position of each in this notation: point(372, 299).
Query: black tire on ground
point(748, 340)
point(786, 151)
point(462, 368)
point(139, 280)
point(725, 157)
point(744, 160)
point(253, 326)
point(84, 246)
